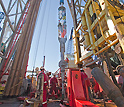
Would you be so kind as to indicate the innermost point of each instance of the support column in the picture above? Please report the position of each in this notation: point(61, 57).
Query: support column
point(62, 63)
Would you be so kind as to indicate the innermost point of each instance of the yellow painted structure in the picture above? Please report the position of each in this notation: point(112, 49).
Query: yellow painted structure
point(102, 27)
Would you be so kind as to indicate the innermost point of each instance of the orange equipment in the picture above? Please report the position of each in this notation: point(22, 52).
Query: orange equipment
point(75, 90)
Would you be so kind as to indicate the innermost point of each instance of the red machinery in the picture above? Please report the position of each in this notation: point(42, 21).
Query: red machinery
point(75, 90)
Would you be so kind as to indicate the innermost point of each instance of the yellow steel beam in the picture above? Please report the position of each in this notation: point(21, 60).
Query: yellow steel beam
point(119, 30)
point(91, 34)
point(76, 48)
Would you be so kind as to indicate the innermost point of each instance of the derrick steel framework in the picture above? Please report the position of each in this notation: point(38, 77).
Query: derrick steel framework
point(17, 10)
point(83, 12)
point(98, 27)
point(76, 8)
point(19, 43)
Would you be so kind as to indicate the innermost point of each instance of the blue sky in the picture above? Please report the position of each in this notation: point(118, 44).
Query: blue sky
point(46, 27)
point(46, 33)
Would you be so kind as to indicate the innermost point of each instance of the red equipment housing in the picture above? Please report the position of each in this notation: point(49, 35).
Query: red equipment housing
point(75, 90)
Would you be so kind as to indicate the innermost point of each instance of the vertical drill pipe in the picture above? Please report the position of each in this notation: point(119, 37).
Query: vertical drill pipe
point(14, 66)
point(23, 67)
point(62, 39)
point(62, 69)
point(23, 45)
point(43, 61)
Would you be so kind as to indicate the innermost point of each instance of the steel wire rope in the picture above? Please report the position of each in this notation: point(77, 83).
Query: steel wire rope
point(46, 29)
point(39, 32)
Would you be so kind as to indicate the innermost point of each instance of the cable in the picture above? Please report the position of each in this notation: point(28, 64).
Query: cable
point(46, 28)
point(39, 33)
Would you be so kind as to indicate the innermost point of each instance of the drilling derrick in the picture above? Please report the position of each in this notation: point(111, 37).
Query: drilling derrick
point(62, 39)
point(14, 60)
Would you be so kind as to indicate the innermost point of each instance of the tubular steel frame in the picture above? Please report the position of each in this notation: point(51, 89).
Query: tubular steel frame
point(19, 19)
point(79, 8)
